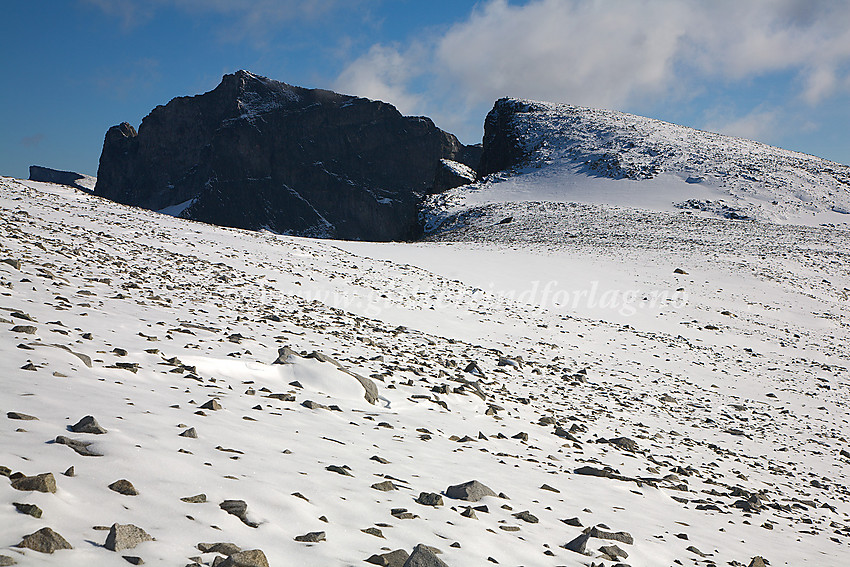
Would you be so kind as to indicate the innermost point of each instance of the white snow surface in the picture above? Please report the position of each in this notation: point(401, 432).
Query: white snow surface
point(731, 379)
point(585, 155)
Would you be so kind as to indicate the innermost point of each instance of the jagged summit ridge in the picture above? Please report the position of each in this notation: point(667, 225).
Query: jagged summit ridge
point(257, 153)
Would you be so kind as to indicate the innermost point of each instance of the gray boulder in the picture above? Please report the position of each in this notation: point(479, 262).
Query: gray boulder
point(45, 540)
point(472, 491)
point(88, 424)
point(125, 536)
point(424, 556)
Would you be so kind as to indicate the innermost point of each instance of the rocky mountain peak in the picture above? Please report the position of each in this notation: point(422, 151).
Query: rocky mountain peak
point(262, 154)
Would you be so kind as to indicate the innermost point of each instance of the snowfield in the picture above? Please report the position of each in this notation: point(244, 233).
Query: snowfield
point(636, 387)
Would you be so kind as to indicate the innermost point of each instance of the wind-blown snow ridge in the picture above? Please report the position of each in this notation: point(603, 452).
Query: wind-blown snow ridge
point(570, 153)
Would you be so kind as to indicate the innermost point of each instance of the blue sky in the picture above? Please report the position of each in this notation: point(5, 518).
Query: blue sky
point(773, 70)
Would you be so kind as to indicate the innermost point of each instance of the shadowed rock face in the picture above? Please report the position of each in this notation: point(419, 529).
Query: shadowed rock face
point(47, 175)
point(256, 153)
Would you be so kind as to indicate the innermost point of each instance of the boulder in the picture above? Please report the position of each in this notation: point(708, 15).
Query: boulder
point(424, 556)
point(472, 491)
point(45, 540)
point(125, 536)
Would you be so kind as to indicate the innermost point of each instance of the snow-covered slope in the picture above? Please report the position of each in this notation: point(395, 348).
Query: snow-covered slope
point(696, 415)
point(563, 153)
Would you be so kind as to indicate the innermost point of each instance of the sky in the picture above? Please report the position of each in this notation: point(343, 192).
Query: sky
point(777, 71)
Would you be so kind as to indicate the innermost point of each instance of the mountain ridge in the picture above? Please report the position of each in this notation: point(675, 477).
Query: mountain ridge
point(261, 154)
point(547, 152)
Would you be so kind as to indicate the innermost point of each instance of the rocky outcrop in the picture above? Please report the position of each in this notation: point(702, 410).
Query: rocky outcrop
point(47, 175)
point(503, 147)
point(260, 154)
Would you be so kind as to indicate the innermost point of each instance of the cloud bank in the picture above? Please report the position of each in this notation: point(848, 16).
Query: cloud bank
point(613, 54)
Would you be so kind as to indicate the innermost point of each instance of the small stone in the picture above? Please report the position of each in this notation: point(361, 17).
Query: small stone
point(44, 540)
point(312, 537)
point(392, 559)
point(88, 424)
point(15, 263)
point(21, 416)
point(28, 509)
point(80, 447)
point(758, 561)
point(125, 536)
point(579, 544)
point(429, 499)
point(28, 329)
point(526, 516)
point(190, 433)
point(385, 486)
point(42, 483)
point(238, 508)
point(133, 559)
point(124, 487)
point(211, 405)
point(613, 552)
point(374, 531)
point(220, 547)
point(343, 470)
point(69, 471)
point(6, 561)
point(197, 499)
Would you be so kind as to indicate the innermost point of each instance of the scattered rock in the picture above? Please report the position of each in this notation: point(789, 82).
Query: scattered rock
point(392, 559)
point(385, 486)
point(212, 405)
point(758, 561)
point(80, 447)
point(21, 416)
point(423, 556)
point(6, 561)
point(429, 499)
point(238, 508)
point(28, 509)
point(44, 482)
point(124, 487)
point(472, 491)
point(28, 329)
point(88, 424)
point(343, 470)
point(312, 537)
point(197, 499)
point(44, 540)
point(579, 544)
point(125, 536)
point(250, 558)
point(283, 355)
point(190, 433)
point(613, 552)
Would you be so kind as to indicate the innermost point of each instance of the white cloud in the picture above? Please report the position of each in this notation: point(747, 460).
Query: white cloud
point(247, 19)
point(611, 54)
point(760, 124)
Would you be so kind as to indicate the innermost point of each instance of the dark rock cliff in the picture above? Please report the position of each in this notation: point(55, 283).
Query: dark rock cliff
point(502, 145)
point(256, 153)
point(47, 175)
